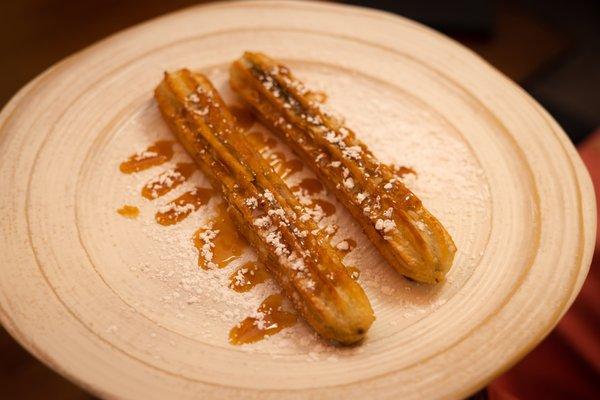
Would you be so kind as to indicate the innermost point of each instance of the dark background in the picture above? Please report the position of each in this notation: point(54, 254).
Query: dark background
point(551, 48)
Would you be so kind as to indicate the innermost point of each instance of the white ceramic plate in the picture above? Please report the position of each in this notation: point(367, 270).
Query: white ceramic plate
point(120, 307)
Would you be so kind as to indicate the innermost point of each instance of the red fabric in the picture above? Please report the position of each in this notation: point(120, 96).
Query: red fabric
point(566, 365)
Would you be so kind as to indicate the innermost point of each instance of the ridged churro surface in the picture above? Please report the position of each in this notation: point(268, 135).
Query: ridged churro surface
point(287, 240)
point(410, 238)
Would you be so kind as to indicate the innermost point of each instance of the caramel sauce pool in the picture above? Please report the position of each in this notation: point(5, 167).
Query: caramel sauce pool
point(156, 154)
point(272, 320)
point(178, 209)
point(227, 245)
point(129, 211)
point(283, 166)
point(400, 171)
point(327, 207)
point(309, 186)
point(278, 160)
point(247, 276)
point(243, 116)
point(260, 141)
point(168, 180)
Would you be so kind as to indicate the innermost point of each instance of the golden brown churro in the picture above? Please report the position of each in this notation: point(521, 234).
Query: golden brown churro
point(265, 211)
point(412, 240)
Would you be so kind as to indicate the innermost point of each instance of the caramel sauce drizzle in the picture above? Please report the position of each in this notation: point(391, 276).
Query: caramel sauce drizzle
point(168, 180)
point(277, 159)
point(227, 245)
point(260, 141)
point(270, 319)
point(156, 154)
point(247, 276)
point(243, 116)
point(308, 186)
point(283, 166)
point(129, 211)
point(327, 207)
point(401, 171)
point(179, 209)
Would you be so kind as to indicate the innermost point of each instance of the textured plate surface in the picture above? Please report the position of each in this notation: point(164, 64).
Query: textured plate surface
point(120, 306)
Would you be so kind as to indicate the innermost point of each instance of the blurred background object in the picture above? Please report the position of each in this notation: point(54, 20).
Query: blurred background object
point(550, 48)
